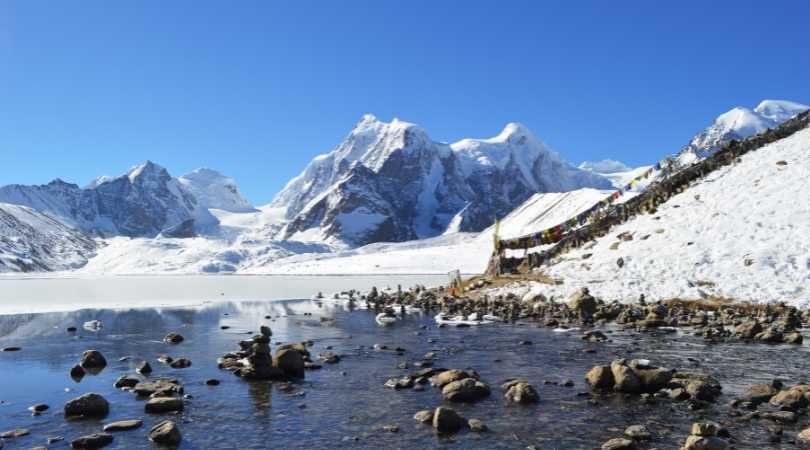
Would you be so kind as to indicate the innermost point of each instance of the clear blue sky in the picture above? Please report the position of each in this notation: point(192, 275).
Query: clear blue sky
point(256, 89)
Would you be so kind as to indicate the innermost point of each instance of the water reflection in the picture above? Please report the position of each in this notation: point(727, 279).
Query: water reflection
point(345, 405)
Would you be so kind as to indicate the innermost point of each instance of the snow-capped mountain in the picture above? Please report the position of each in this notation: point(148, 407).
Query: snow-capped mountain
point(391, 182)
point(32, 241)
point(215, 191)
point(617, 172)
point(146, 201)
point(737, 124)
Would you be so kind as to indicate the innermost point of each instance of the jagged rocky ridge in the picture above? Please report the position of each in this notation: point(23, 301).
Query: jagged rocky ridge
point(144, 202)
point(391, 182)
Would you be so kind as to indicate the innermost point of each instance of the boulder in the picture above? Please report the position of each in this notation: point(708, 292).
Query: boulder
point(159, 405)
point(16, 433)
point(619, 444)
point(521, 392)
point(653, 378)
point(793, 337)
point(600, 377)
point(476, 425)
point(705, 443)
point(165, 433)
point(584, 304)
point(180, 363)
point(93, 359)
point(446, 420)
point(449, 376)
point(637, 432)
point(162, 387)
point(759, 393)
point(290, 361)
point(173, 338)
point(791, 399)
point(466, 390)
point(804, 436)
point(126, 381)
point(143, 368)
point(87, 405)
point(625, 380)
point(123, 425)
point(77, 373)
point(90, 441)
point(424, 416)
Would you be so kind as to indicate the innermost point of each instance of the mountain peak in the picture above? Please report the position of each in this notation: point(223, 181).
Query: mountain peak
point(779, 110)
point(147, 168)
point(514, 130)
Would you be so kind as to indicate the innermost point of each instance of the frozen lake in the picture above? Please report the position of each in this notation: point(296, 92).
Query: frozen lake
point(23, 294)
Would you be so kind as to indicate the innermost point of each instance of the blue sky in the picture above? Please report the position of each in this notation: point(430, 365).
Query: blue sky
point(256, 89)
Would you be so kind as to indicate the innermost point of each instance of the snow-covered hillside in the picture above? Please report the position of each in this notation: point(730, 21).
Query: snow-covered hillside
point(391, 182)
point(468, 252)
point(736, 124)
point(32, 241)
point(146, 201)
point(739, 233)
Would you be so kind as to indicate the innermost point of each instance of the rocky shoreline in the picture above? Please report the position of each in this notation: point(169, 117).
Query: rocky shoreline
point(715, 321)
point(614, 376)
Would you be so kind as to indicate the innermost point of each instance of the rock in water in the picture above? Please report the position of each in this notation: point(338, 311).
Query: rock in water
point(87, 405)
point(619, 444)
point(290, 361)
point(11, 434)
point(163, 405)
point(600, 377)
point(91, 441)
point(93, 359)
point(77, 373)
point(584, 304)
point(165, 433)
point(143, 368)
point(446, 420)
point(126, 381)
point(519, 391)
point(424, 416)
point(466, 390)
point(173, 338)
point(123, 425)
point(476, 425)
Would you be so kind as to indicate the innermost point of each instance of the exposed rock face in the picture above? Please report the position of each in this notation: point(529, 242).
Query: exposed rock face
point(32, 241)
point(391, 182)
point(142, 203)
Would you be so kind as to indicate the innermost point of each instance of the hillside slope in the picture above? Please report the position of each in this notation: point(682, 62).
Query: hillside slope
point(32, 241)
point(741, 233)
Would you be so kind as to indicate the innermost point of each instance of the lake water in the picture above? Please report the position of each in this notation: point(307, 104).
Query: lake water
point(27, 294)
point(345, 405)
